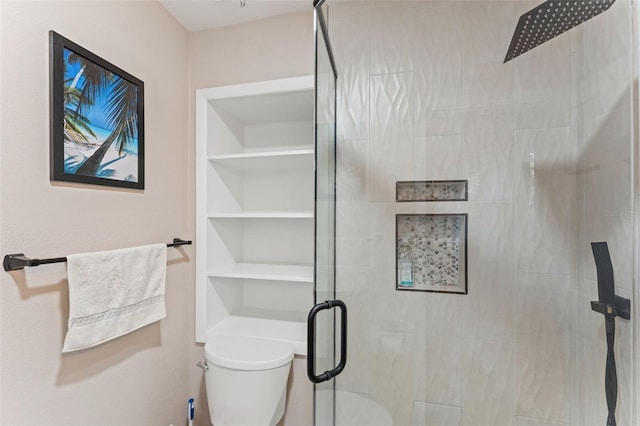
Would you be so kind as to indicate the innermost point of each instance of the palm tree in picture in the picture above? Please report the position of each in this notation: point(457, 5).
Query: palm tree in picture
point(76, 125)
point(76, 101)
point(93, 77)
point(122, 115)
point(121, 107)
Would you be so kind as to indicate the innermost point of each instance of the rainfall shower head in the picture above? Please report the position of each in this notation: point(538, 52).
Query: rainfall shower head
point(551, 19)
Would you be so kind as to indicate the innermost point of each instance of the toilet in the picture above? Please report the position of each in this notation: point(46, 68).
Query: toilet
point(246, 379)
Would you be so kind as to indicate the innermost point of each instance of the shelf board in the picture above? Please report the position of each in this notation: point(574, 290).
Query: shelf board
point(293, 332)
point(262, 215)
point(271, 105)
point(258, 271)
point(266, 161)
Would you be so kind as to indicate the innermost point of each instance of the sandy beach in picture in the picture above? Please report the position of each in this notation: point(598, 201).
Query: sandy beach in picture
point(100, 121)
point(114, 166)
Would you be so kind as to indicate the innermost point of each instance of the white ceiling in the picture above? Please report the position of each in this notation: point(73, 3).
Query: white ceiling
point(196, 15)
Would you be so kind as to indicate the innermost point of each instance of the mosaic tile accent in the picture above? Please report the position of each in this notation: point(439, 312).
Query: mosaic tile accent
point(432, 190)
point(438, 250)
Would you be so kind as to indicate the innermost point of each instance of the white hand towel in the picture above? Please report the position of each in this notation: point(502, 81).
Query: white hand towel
point(112, 293)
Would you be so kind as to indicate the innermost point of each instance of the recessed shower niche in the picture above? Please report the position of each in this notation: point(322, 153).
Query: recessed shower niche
point(254, 210)
point(431, 252)
point(432, 190)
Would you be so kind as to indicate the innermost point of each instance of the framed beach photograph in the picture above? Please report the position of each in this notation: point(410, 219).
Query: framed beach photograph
point(97, 119)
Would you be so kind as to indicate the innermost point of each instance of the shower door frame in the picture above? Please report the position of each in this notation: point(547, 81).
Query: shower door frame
point(635, 119)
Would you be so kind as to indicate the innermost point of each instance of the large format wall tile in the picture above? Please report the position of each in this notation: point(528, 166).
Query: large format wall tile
point(352, 287)
point(603, 110)
point(392, 35)
point(438, 368)
point(606, 182)
point(391, 310)
point(488, 397)
point(488, 308)
point(439, 51)
point(488, 84)
point(591, 353)
point(603, 116)
point(352, 219)
point(391, 150)
point(352, 207)
point(425, 414)
point(440, 158)
point(354, 409)
point(488, 144)
point(439, 57)
point(391, 360)
point(608, 37)
point(352, 233)
point(624, 364)
point(525, 421)
point(488, 27)
point(439, 122)
point(352, 170)
point(382, 234)
point(349, 9)
point(352, 251)
point(543, 347)
point(545, 209)
point(351, 34)
point(543, 86)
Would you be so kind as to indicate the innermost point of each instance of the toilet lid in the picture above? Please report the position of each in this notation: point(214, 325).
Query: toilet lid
point(247, 353)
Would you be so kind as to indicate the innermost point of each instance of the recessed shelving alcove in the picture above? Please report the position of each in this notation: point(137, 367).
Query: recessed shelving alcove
point(254, 210)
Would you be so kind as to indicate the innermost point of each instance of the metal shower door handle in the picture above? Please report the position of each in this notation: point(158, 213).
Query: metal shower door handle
point(311, 341)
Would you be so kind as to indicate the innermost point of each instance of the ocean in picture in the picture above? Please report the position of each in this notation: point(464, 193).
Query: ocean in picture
point(100, 121)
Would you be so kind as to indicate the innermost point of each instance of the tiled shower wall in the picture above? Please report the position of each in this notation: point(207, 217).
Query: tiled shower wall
point(545, 144)
point(604, 123)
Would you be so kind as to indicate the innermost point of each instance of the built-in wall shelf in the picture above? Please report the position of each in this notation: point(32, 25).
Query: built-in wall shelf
point(258, 271)
point(300, 150)
point(255, 209)
point(266, 161)
point(262, 215)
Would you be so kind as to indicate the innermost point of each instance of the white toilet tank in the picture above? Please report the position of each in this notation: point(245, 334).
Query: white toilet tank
point(247, 379)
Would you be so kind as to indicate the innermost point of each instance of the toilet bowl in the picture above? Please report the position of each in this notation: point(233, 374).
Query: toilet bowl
point(246, 379)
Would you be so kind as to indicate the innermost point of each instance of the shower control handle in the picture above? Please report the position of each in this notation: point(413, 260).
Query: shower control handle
point(608, 303)
point(311, 341)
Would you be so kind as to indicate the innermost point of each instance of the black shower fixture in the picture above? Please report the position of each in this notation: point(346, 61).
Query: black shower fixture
point(611, 306)
point(551, 19)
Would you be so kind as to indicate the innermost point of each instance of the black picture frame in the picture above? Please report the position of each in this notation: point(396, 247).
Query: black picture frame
point(93, 103)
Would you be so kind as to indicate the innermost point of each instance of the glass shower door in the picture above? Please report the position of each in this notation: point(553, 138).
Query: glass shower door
point(548, 145)
point(322, 318)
